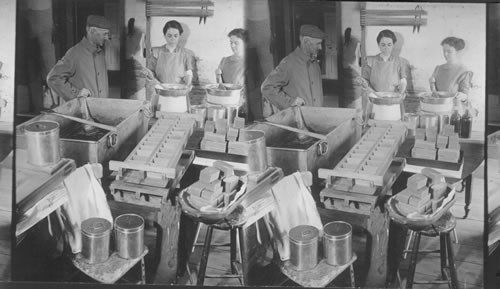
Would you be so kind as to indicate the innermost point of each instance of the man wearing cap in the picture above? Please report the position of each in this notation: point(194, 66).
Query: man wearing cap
point(297, 79)
point(82, 71)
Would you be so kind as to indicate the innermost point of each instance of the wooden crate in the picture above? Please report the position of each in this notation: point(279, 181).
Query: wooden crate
point(159, 151)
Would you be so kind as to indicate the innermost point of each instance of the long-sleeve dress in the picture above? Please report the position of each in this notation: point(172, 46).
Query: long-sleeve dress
point(384, 76)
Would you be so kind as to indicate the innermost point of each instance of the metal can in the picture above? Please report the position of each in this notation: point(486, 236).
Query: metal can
point(303, 247)
point(412, 120)
point(129, 236)
point(337, 243)
point(42, 138)
point(428, 120)
point(96, 234)
point(201, 114)
point(215, 112)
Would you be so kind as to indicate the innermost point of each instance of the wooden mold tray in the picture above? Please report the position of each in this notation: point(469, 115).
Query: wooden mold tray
point(160, 149)
point(366, 163)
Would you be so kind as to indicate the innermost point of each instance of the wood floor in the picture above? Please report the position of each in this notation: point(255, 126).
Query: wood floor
point(468, 251)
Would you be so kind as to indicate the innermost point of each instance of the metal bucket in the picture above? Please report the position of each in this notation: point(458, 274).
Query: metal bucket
point(257, 154)
point(337, 243)
point(229, 96)
point(42, 138)
point(172, 97)
point(129, 236)
point(201, 112)
point(428, 120)
point(96, 234)
point(304, 247)
point(216, 112)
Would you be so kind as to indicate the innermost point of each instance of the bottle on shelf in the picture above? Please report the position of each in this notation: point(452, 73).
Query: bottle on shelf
point(455, 119)
point(466, 122)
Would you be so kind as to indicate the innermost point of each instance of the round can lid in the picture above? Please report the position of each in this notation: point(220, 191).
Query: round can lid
point(96, 226)
point(338, 229)
point(129, 222)
point(41, 126)
point(303, 234)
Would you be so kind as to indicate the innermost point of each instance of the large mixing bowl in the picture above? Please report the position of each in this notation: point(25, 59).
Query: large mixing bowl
point(224, 94)
point(172, 89)
point(437, 101)
point(386, 98)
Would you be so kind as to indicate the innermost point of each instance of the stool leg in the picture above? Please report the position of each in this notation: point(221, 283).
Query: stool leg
point(143, 271)
point(451, 263)
point(455, 235)
point(204, 256)
point(351, 273)
point(198, 229)
point(443, 255)
point(407, 248)
point(413, 262)
point(233, 250)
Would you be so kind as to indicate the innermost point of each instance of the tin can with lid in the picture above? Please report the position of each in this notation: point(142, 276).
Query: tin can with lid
point(303, 247)
point(42, 138)
point(337, 243)
point(129, 236)
point(96, 234)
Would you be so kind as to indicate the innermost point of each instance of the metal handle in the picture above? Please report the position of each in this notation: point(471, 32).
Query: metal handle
point(112, 140)
point(322, 148)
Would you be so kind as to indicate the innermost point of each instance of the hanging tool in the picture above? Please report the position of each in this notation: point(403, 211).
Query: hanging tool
point(204, 12)
point(418, 18)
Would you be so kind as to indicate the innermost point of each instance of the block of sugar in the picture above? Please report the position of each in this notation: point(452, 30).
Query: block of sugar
point(230, 183)
point(232, 134)
point(420, 134)
point(196, 188)
point(209, 174)
point(209, 126)
point(404, 196)
point(438, 190)
point(227, 169)
point(239, 122)
point(416, 181)
point(210, 195)
point(221, 126)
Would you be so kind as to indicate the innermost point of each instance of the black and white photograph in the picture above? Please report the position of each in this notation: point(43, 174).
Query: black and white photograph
point(250, 143)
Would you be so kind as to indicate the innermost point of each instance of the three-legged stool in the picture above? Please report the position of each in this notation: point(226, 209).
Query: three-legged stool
point(442, 228)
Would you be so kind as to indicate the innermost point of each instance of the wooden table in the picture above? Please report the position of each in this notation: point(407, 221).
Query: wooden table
point(168, 219)
point(473, 150)
point(112, 269)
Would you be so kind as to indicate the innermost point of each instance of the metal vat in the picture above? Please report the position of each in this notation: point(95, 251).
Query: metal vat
point(337, 243)
point(256, 153)
point(284, 150)
point(127, 115)
point(129, 236)
point(42, 139)
point(96, 234)
point(304, 247)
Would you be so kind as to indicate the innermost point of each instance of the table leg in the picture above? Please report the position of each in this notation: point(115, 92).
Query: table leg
point(351, 273)
point(378, 228)
point(467, 183)
point(169, 222)
point(143, 271)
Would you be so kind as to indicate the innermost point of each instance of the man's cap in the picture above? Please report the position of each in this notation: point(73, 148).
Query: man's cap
point(98, 21)
point(312, 31)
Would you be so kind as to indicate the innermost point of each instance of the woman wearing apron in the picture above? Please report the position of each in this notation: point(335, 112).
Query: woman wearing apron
point(452, 76)
point(384, 72)
point(170, 63)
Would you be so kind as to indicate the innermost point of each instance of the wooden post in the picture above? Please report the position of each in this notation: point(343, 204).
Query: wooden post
point(169, 221)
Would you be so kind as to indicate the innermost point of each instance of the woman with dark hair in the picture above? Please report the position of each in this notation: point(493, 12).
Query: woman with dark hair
point(242, 68)
point(452, 76)
point(232, 68)
point(171, 63)
point(384, 72)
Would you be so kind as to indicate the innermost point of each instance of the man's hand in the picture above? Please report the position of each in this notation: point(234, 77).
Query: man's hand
point(298, 102)
point(84, 93)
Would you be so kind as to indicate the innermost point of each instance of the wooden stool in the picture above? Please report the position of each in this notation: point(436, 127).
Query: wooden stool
point(442, 228)
point(112, 269)
point(234, 248)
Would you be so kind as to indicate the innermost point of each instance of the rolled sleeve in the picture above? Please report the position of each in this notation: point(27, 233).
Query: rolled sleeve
point(59, 76)
point(272, 87)
point(465, 82)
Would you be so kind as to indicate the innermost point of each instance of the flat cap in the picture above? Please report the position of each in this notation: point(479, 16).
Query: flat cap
point(312, 31)
point(98, 21)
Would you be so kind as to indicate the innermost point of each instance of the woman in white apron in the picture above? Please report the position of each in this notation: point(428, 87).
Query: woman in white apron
point(171, 63)
point(384, 72)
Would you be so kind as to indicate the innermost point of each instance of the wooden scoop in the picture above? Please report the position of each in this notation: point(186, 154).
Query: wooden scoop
point(294, 129)
point(81, 120)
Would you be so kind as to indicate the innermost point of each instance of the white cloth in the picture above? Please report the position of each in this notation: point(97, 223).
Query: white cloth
point(294, 206)
point(86, 199)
